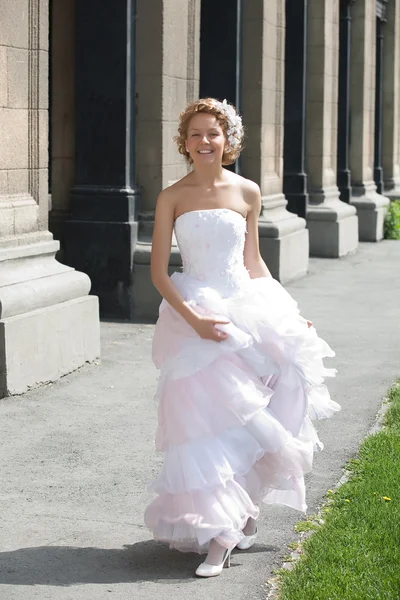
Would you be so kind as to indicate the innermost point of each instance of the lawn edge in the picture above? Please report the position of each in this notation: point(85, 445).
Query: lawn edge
point(316, 520)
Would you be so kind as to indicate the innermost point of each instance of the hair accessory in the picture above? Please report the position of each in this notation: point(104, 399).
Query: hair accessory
point(235, 129)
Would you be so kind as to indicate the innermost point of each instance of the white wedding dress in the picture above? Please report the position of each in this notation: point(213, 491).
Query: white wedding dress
point(234, 420)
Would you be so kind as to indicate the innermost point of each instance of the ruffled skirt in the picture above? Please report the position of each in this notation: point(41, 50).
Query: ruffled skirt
point(234, 418)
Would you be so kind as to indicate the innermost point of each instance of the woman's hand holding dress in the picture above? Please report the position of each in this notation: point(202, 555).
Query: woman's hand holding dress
point(207, 330)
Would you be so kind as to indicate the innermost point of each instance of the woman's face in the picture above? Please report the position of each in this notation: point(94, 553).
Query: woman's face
point(205, 139)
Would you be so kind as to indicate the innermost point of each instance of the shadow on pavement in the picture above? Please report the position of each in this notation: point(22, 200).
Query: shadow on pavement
point(69, 565)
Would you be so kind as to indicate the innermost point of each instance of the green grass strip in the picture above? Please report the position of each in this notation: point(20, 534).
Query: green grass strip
point(355, 554)
point(391, 227)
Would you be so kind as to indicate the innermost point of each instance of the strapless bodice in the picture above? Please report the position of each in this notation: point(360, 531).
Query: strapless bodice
point(211, 243)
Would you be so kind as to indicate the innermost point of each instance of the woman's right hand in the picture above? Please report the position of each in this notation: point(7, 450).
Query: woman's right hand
point(207, 330)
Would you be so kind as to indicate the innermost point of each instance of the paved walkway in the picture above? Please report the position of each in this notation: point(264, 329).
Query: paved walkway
point(76, 455)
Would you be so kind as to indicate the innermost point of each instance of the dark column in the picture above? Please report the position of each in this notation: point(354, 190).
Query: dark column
point(294, 176)
point(102, 228)
point(343, 171)
point(220, 51)
point(380, 22)
point(219, 41)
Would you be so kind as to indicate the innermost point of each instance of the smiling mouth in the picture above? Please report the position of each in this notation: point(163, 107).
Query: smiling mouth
point(205, 151)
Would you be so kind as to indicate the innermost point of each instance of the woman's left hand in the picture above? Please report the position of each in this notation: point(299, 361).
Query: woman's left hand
point(309, 324)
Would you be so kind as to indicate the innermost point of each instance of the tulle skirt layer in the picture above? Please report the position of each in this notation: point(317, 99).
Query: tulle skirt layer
point(234, 418)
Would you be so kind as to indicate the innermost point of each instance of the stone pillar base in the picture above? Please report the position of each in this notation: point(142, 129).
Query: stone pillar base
point(99, 239)
point(333, 226)
point(371, 210)
point(393, 194)
point(284, 241)
point(104, 251)
point(48, 325)
point(392, 189)
point(45, 344)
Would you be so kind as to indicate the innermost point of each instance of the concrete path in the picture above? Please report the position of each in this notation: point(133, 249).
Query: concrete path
point(76, 455)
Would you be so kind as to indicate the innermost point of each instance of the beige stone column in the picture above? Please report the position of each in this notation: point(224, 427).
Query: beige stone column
point(370, 205)
point(168, 74)
point(391, 102)
point(62, 113)
point(332, 224)
point(48, 324)
point(283, 237)
point(167, 77)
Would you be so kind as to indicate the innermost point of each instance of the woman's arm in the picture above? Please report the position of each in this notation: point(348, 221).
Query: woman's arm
point(161, 250)
point(252, 257)
point(160, 254)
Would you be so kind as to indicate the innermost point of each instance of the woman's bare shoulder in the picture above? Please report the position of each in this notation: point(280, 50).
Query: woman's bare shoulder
point(176, 189)
point(172, 194)
point(249, 189)
point(181, 184)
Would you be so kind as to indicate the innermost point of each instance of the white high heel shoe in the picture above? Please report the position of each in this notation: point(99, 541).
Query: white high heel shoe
point(207, 570)
point(247, 542)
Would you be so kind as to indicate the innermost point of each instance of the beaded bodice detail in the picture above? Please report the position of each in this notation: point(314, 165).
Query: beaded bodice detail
point(211, 243)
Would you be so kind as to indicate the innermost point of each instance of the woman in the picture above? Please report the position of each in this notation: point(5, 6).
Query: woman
point(241, 370)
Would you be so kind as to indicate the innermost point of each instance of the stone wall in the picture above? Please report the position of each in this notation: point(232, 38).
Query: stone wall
point(23, 121)
point(332, 224)
point(371, 206)
point(283, 237)
point(391, 102)
point(167, 77)
point(48, 324)
point(62, 115)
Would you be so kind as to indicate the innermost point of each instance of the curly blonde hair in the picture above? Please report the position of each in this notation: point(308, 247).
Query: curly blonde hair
point(227, 117)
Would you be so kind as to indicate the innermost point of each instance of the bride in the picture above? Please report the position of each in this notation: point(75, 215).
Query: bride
point(241, 372)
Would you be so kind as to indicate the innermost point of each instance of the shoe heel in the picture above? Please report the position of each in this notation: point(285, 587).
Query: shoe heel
point(227, 563)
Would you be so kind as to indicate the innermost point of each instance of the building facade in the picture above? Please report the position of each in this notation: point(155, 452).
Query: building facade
point(90, 94)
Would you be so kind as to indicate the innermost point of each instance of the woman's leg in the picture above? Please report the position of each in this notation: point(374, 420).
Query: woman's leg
point(250, 527)
point(215, 554)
